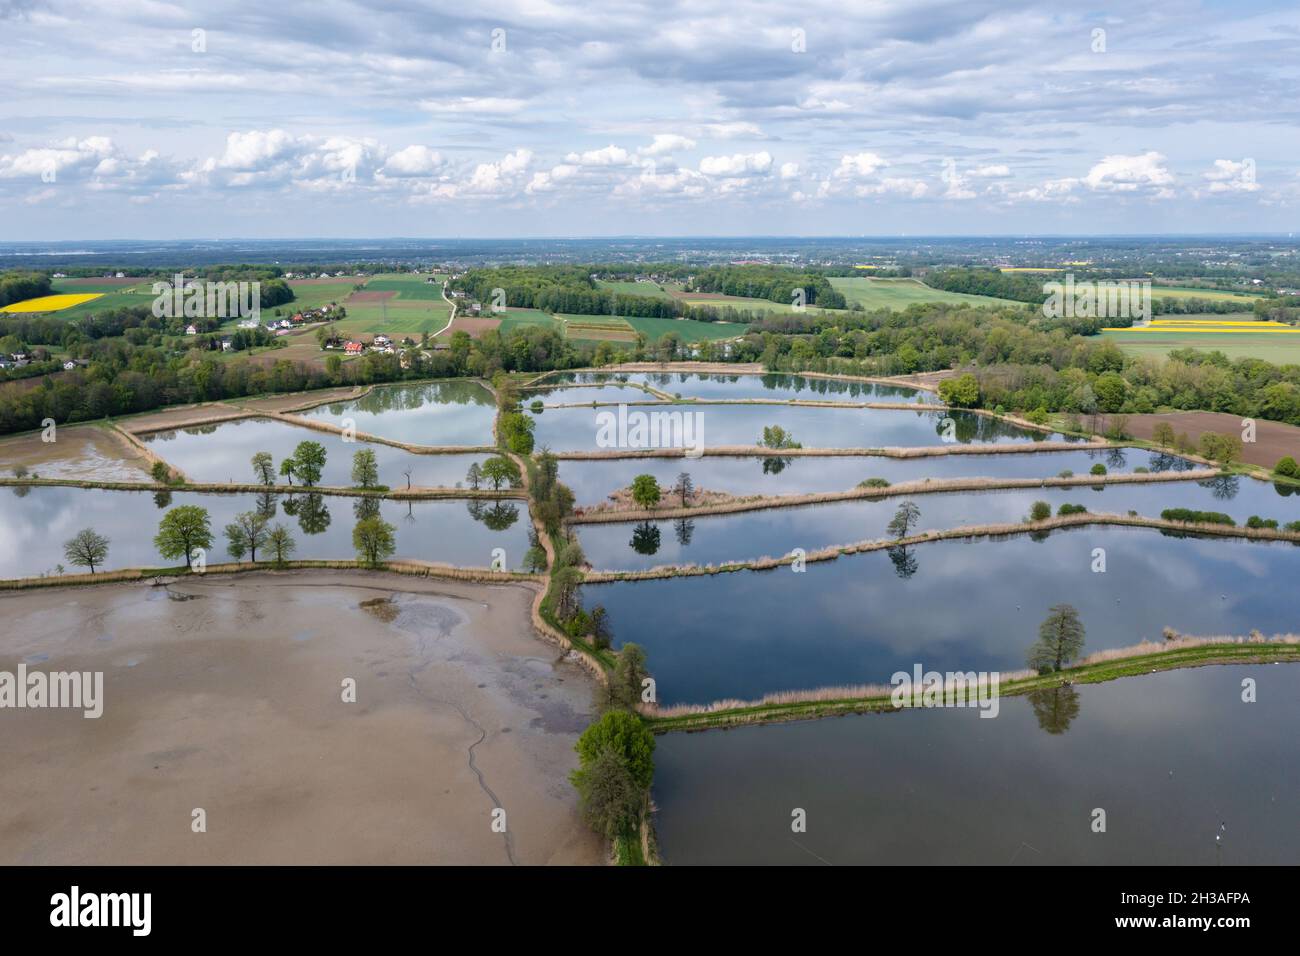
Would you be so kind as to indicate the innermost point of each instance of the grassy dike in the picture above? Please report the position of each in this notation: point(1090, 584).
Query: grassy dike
point(1087, 672)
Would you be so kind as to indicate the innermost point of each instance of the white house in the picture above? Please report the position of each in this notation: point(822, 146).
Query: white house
point(191, 330)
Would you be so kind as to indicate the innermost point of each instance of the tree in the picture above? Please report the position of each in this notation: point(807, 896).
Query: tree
point(499, 469)
point(960, 392)
point(629, 672)
point(264, 468)
point(286, 469)
point(684, 488)
point(904, 518)
point(645, 491)
point(309, 462)
point(183, 530)
point(280, 543)
point(608, 796)
point(774, 436)
point(161, 473)
point(365, 469)
point(474, 476)
point(375, 540)
point(246, 534)
point(1287, 467)
point(1163, 434)
point(1060, 638)
point(1225, 449)
point(602, 634)
point(1040, 511)
point(86, 549)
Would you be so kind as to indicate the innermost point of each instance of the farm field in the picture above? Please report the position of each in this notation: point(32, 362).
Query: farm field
point(637, 288)
point(655, 328)
point(406, 287)
point(512, 319)
point(718, 300)
point(597, 328)
point(394, 317)
point(1212, 295)
point(50, 303)
point(900, 293)
point(1236, 335)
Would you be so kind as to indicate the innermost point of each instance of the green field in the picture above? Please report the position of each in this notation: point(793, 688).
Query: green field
point(371, 318)
point(688, 330)
point(406, 287)
point(737, 302)
point(1281, 348)
point(513, 319)
point(633, 288)
point(900, 293)
point(105, 303)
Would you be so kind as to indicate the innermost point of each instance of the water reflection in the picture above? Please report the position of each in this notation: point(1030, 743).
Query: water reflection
point(497, 516)
point(645, 538)
point(1055, 707)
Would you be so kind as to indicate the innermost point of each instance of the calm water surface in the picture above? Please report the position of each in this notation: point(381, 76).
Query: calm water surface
point(1175, 759)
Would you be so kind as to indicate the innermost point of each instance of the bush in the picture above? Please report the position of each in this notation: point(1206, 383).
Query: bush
point(1197, 517)
point(1066, 474)
point(1038, 416)
point(1292, 526)
point(1040, 511)
point(874, 483)
point(1287, 468)
point(1098, 469)
point(1141, 470)
point(1255, 521)
point(1071, 510)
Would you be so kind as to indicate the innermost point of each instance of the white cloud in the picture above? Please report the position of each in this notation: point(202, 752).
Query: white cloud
point(789, 170)
point(667, 143)
point(859, 165)
point(1119, 173)
point(413, 161)
point(1229, 175)
point(737, 164)
point(609, 156)
point(996, 171)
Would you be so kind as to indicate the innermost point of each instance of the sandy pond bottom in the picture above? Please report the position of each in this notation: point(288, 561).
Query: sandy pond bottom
point(225, 693)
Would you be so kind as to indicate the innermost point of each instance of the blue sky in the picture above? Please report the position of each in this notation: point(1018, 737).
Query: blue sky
point(149, 119)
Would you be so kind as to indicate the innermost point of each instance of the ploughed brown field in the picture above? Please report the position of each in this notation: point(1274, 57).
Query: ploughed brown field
point(360, 297)
point(475, 327)
point(1273, 440)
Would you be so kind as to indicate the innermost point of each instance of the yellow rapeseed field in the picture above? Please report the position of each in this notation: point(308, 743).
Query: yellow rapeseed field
point(51, 303)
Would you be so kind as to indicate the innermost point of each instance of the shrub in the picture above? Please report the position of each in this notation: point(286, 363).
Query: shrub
point(874, 483)
point(1038, 416)
point(1255, 521)
point(1287, 467)
point(1040, 511)
point(1292, 526)
point(1069, 509)
point(1066, 474)
point(1197, 517)
point(1141, 470)
point(1098, 469)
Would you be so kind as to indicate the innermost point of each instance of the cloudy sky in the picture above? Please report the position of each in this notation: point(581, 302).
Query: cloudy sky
point(353, 118)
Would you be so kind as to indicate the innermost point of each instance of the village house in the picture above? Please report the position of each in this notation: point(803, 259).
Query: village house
point(353, 348)
point(191, 330)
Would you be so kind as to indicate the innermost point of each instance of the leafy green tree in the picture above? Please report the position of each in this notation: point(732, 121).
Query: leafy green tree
point(264, 468)
point(645, 491)
point(161, 473)
point(500, 470)
point(365, 469)
point(182, 530)
point(246, 534)
point(86, 549)
point(1097, 469)
point(629, 672)
point(960, 392)
point(474, 476)
point(602, 635)
point(1287, 467)
point(1163, 434)
point(774, 436)
point(286, 469)
point(375, 540)
point(279, 541)
point(907, 515)
point(1040, 511)
point(615, 769)
point(309, 462)
point(1060, 638)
